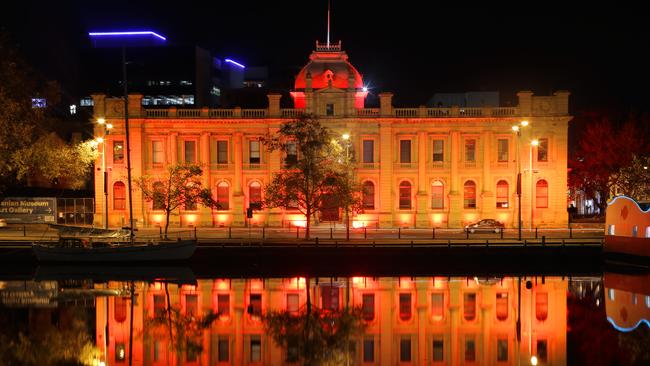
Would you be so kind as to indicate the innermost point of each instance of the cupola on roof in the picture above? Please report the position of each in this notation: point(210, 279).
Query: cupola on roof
point(328, 66)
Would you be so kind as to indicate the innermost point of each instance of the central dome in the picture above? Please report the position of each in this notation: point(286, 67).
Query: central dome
point(327, 63)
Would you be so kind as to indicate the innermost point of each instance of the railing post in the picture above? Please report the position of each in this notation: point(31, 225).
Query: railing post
point(433, 233)
point(331, 233)
point(399, 233)
point(467, 233)
point(365, 232)
point(229, 232)
point(543, 240)
point(570, 233)
point(297, 232)
point(24, 230)
point(316, 241)
point(195, 233)
point(502, 232)
point(535, 232)
point(263, 232)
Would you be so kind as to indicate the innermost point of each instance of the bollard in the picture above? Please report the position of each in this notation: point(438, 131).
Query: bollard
point(543, 240)
point(467, 233)
point(316, 241)
point(570, 233)
point(263, 232)
point(411, 243)
point(502, 233)
point(24, 231)
point(365, 232)
point(297, 232)
point(195, 233)
point(399, 233)
point(433, 233)
point(160, 231)
point(229, 232)
point(535, 232)
point(331, 233)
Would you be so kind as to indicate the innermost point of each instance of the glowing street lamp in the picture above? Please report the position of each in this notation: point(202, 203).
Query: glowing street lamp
point(533, 360)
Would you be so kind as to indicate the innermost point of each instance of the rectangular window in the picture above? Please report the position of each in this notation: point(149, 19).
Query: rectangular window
point(292, 154)
point(405, 306)
point(368, 350)
point(159, 305)
point(223, 349)
point(368, 306)
point(542, 150)
point(438, 350)
point(502, 350)
point(502, 153)
point(222, 152)
point(541, 306)
point(292, 351)
point(502, 306)
point(542, 350)
point(470, 350)
point(437, 195)
point(254, 152)
point(190, 151)
point(368, 151)
point(191, 304)
point(157, 153)
point(437, 306)
point(469, 306)
point(404, 151)
point(223, 304)
point(255, 306)
point(118, 152)
point(293, 304)
point(329, 109)
point(330, 297)
point(470, 150)
point(405, 350)
point(438, 151)
point(256, 349)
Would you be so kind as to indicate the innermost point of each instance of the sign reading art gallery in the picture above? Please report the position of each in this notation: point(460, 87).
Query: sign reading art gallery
point(28, 210)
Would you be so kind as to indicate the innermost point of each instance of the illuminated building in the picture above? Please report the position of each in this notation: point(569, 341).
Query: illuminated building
point(423, 167)
point(410, 321)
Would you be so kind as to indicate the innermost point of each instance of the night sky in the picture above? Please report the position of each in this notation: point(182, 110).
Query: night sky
point(405, 47)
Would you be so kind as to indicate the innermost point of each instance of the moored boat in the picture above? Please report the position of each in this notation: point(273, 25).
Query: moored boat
point(80, 250)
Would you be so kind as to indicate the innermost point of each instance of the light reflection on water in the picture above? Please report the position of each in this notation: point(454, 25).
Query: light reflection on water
point(344, 320)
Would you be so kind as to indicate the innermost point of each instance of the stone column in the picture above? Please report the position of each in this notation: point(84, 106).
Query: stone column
point(386, 319)
point(238, 294)
point(173, 148)
point(238, 194)
point(206, 212)
point(386, 202)
point(275, 165)
point(454, 321)
point(422, 198)
point(455, 191)
point(488, 201)
point(422, 320)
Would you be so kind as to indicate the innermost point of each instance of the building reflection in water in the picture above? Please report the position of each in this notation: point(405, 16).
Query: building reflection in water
point(410, 321)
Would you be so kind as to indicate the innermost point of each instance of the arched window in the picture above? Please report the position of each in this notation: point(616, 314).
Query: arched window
point(541, 306)
point(119, 309)
point(469, 194)
point(541, 197)
point(223, 196)
point(405, 195)
point(502, 194)
point(119, 196)
point(437, 195)
point(368, 195)
point(158, 196)
point(255, 195)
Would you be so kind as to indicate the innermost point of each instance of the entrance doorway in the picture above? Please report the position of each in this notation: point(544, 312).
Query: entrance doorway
point(329, 210)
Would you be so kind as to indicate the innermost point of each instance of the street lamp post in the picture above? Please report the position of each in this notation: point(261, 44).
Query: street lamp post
point(517, 130)
point(102, 140)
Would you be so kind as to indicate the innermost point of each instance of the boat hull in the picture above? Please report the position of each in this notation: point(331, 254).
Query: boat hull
point(176, 251)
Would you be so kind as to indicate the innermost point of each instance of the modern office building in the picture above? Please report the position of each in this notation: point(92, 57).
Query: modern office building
point(421, 167)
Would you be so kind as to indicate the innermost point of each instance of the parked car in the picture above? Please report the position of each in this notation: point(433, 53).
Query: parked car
point(3, 223)
point(485, 225)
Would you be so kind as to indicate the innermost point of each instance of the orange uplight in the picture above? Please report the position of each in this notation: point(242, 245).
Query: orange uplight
point(358, 281)
point(471, 217)
point(405, 219)
point(358, 224)
point(222, 218)
point(190, 218)
point(221, 285)
point(188, 288)
point(299, 223)
point(158, 218)
point(503, 217)
point(436, 218)
point(157, 286)
point(439, 282)
point(257, 285)
point(296, 283)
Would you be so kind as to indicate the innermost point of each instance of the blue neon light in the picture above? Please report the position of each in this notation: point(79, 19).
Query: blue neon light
point(621, 329)
point(121, 34)
point(631, 199)
point(235, 63)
